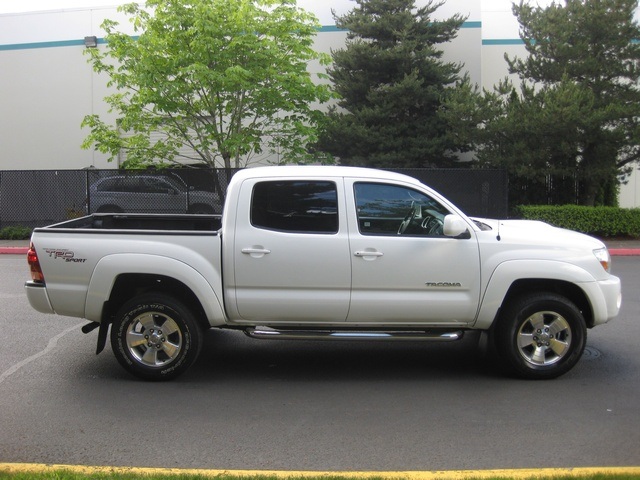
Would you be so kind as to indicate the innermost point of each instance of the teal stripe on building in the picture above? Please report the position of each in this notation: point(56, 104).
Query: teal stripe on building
point(500, 41)
point(76, 43)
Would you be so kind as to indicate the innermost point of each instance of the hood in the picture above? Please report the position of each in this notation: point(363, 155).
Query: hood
point(536, 233)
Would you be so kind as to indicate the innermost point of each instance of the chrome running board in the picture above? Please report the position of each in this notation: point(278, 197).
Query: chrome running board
point(380, 335)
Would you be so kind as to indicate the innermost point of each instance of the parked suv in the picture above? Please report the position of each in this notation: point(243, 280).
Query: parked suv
point(149, 194)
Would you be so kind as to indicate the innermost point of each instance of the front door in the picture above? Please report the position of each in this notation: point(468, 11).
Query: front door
point(405, 271)
point(291, 253)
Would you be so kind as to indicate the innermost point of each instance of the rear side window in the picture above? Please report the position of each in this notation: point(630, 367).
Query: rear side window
point(295, 206)
point(119, 184)
point(155, 185)
point(110, 185)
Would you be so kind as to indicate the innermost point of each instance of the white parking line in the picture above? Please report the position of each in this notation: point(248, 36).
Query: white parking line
point(50, 346)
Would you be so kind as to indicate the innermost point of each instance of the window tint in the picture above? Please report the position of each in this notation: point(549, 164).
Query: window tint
point(118, 184)
point(109, 185)
point(155, 185)
point(394, 210)
point(140, 184)
point(294, 206)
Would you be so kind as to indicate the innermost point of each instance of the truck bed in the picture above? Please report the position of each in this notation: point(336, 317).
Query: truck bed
point(141, 221)
point(79, 255)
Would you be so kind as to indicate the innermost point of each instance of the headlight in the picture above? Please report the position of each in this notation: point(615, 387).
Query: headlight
point(602, 254)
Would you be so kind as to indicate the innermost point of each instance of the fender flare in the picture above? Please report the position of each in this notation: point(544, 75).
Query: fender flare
point(110, 267)
point(506, 273)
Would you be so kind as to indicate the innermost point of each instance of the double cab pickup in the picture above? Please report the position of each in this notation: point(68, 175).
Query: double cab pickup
point(332, 253)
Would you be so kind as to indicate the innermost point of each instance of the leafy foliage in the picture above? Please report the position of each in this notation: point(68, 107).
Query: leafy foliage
point(226, 79)
point(15, 233)
point(601, 221)
point(391, 79)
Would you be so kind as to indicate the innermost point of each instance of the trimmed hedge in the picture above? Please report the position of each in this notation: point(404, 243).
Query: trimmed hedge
point(598, 221)
point(15, 233)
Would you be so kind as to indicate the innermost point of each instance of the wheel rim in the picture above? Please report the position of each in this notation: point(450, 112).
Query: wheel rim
point(154, 339)
point(544, 338)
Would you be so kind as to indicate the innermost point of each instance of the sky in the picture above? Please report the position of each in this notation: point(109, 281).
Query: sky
point(18, 6)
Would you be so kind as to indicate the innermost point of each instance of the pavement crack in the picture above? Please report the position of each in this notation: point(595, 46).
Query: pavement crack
point(50, 346)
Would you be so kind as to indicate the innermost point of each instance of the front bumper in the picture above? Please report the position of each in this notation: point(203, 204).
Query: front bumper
point(611, 299)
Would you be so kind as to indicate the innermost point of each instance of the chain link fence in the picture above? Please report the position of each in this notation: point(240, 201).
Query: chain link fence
point(477, 192)
point(35, 198)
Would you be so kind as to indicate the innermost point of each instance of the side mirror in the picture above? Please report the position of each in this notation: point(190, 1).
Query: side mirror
point(454, 226)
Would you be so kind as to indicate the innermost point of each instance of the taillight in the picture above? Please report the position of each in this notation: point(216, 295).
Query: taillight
point(34, 265)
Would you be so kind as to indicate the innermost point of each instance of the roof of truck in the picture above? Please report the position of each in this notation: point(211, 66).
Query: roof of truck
point(322, 171)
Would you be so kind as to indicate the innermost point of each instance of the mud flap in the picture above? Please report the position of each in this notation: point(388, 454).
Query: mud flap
point(102, 336)
point(102, 333)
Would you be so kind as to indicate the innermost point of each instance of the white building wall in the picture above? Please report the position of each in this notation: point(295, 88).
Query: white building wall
point(630, 191)
point(47, 86)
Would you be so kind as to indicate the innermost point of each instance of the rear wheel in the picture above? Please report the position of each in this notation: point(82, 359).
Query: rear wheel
point(155, 337)
point(541, 336)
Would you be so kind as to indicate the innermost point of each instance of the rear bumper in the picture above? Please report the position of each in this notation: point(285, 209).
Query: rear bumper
point(38, 297)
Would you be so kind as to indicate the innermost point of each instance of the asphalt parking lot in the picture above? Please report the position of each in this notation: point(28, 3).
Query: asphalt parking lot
point(248, 404)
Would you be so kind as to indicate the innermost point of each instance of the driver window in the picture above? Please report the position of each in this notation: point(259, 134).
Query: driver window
point(394, 210)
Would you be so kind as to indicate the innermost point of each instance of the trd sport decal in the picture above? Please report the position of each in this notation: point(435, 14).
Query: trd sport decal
point(64, 254)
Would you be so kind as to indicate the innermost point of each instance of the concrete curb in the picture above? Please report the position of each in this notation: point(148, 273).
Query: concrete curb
point(624, 252)
point(13, 250)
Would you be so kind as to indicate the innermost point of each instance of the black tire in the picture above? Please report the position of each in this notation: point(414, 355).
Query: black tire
point(540, 336)
point(109, 209)
point(155, 337)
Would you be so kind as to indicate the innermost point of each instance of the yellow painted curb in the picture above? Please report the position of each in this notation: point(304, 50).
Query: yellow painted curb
point(410, 475)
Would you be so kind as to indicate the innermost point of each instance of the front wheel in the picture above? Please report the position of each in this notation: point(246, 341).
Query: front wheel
point(155, 337)
point(541, 336)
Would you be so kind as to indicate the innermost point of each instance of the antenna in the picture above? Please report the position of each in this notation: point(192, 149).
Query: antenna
point(498, 236)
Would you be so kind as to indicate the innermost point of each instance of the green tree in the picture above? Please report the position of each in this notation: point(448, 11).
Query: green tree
point(577, 110)
point(391, 79)
point(530, 132)
point(225, 79)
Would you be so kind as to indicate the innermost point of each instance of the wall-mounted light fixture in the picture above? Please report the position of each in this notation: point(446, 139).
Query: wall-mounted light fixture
point(91, 42)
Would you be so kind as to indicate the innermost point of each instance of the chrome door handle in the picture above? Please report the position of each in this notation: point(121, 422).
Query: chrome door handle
point(364, 253)
point(253, 251)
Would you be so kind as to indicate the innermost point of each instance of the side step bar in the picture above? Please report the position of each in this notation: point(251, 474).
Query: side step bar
point(381, 335)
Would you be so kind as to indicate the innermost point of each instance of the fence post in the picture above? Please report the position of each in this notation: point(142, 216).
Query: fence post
point(86, 186)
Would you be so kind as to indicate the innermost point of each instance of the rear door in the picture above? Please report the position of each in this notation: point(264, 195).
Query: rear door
point(405, 271)
point(291, 252)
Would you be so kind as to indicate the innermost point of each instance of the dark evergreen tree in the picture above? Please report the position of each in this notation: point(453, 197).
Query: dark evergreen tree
point(391, 80)
point(593, 43)
point(577, 111)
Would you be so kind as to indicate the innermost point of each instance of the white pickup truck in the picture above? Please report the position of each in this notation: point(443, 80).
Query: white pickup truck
point(324, 253)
